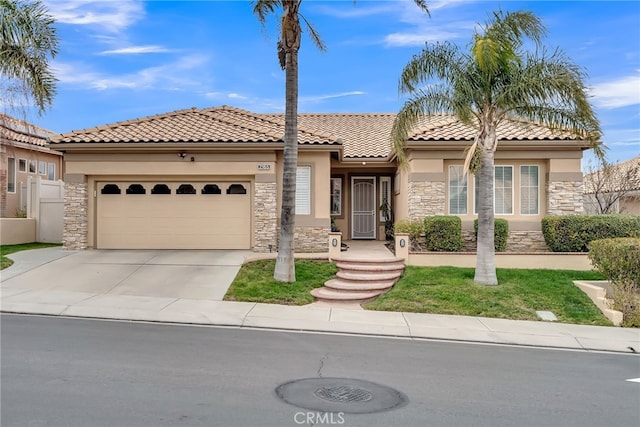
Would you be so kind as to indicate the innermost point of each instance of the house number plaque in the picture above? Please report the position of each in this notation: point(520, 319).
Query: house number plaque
point(264, 167)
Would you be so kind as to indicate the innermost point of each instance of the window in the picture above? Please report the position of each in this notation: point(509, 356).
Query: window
point(529, 190)
point(161, 189)
point(503, 189)
point(22, 165)
point(385, 197)
point(457, 190)
point(186, 189)
point(303, 190)
point(336, 196)
point(42, 168)
point(111, 189)
point(211, 189)
point(11, 175)
point(136, 189)
point(51, 172)
point(236, 189)
point(33, 165)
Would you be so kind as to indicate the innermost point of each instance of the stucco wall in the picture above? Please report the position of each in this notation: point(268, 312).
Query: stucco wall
point(17, 230)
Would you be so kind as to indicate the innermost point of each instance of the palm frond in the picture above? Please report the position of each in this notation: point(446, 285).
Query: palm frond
point(315, 36)
point(436, 61)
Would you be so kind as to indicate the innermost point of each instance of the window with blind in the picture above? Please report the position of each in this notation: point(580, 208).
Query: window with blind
point(529, 190)
point(303, 190)
point(385, 196)
point(503, 189)
point(11, 175)
point(457, 190)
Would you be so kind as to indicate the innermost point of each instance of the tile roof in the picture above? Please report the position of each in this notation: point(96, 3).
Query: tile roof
point(361, 135)
point(16, 130)
point(220, 124)
point(625, 176)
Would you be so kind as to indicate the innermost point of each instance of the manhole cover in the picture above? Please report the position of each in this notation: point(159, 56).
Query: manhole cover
point(346, 395)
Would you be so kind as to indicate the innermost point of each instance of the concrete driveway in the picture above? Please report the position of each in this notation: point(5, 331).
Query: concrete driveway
point(184, 274)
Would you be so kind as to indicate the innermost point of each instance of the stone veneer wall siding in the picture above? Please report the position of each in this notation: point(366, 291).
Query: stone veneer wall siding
point(75, 216)
point(426, 198)
point(565, 197)
point(518, 241)
point(264, 208)
point(312, 239)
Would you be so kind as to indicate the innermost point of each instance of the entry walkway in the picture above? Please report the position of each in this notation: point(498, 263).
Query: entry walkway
point(19, 297)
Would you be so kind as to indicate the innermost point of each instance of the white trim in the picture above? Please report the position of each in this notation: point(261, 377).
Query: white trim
point(513, 202)
point(42, 170)
point(466, 201)
point(338, 211)
point(15, 176)
point(26, 167)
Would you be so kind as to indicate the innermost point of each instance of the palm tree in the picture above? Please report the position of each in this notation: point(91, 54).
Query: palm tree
point(28, 42)
point(288, 47)
point(495, 81)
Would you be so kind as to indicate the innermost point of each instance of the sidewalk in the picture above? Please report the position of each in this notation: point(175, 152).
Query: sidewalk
point(313, 317)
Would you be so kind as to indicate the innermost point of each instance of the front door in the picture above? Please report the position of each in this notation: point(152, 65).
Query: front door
point(363, 207)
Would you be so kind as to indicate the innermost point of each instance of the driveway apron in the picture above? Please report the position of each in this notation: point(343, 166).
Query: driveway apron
point(184, 274)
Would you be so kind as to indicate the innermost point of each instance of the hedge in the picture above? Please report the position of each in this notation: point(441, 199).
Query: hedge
point(572, 233)
point(443, 233)
point(617, 259)
point(414, 228)
point(500, 233)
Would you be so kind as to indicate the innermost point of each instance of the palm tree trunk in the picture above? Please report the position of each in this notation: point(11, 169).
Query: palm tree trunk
point(486, 258)
point(285, 266)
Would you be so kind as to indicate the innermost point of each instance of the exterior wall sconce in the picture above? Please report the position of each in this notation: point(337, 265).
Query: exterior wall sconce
point(403, 243)
point(182, 154)
point(334, 242)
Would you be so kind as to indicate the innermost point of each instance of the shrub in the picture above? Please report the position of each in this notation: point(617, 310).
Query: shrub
point(572, 233)
point(443, 233)
point(500, 233)
point(619, 260)
point(412, 227)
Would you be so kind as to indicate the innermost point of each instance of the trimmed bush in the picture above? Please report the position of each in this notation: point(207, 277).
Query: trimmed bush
point(500, 233)
point(572, 233)
point(443, 233)
point(619, 260)
point(414, 228)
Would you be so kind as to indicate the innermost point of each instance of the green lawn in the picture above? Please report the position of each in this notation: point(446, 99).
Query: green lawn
point(439, 290)
point(10, 249)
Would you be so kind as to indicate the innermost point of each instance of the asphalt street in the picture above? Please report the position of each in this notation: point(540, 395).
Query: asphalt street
point(79, 372)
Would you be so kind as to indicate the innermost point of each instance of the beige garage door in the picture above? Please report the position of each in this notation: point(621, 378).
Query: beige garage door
point(173, 215)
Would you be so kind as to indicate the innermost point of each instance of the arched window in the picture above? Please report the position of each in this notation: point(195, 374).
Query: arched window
point(186, 189)
point(236, 189)
point(211, 189)
point(161, 189)
point(136, 189)
point(110, 189)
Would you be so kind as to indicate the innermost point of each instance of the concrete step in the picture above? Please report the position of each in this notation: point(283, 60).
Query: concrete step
point(330, 295)
point(371, 260)
point(369, 275)
point(359, 266)
point(342, 285)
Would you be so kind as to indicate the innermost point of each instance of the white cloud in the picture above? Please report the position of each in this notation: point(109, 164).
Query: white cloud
point(417, 38)
point(110, 15)
point(171, 76)
point(319, 98)
point(135, 50)
point(622, 92)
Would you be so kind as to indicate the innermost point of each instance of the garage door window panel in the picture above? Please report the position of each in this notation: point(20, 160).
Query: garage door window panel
point(110, 189)
point(161, 189)
point(186, 189)
point(136, 189)
point(211, 189)
point(236, 189)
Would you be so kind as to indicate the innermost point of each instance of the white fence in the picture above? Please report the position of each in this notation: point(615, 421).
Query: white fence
point(44, 201)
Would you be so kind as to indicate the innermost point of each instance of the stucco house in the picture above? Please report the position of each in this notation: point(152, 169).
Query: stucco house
point(617, 186)
point(24, 152)
point(210, 178)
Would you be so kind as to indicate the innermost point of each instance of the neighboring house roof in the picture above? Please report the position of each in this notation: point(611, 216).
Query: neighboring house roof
point(13, 130)
point(221, 124)
point(362, 136)
point(623, 176)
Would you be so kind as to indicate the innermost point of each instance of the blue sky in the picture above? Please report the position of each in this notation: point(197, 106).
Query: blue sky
point(121, 60)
